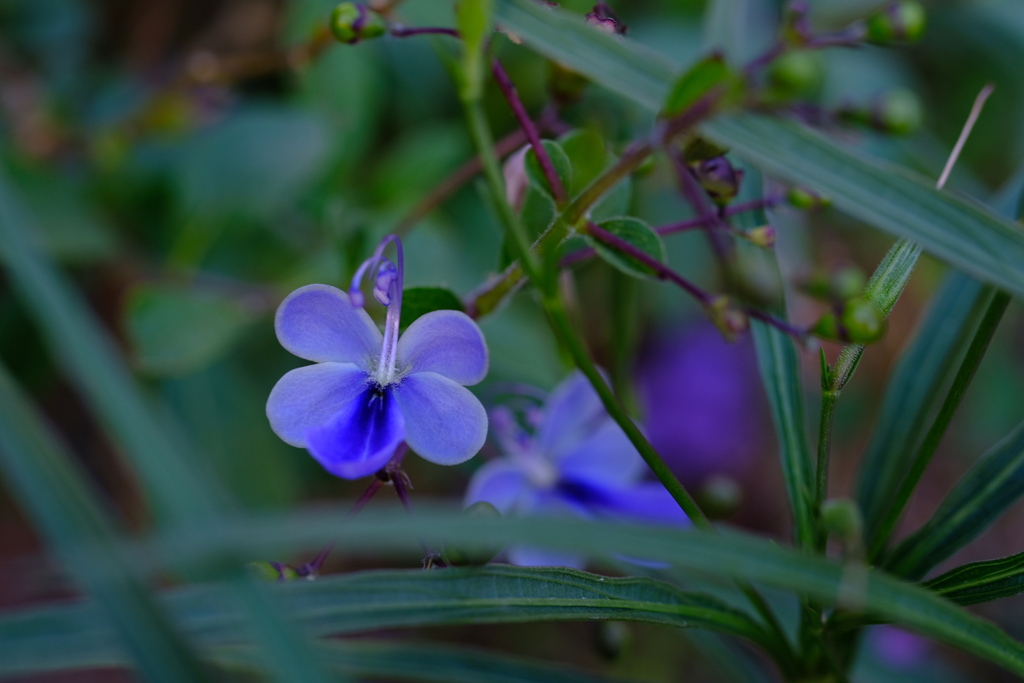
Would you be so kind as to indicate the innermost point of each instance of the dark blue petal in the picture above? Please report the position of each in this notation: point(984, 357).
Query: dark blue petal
point(645, 502)
point(361, 438)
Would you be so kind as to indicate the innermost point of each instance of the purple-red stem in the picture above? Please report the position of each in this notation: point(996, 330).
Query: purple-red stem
point(508, 89)
point(403, 32)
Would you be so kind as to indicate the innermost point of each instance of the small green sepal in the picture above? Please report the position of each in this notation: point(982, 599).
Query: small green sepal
point(856, 320)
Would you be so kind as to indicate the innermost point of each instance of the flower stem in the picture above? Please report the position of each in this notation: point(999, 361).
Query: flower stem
point(828, 407)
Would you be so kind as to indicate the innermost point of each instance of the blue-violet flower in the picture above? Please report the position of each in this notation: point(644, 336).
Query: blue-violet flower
point(574, 460)
point(367, 392)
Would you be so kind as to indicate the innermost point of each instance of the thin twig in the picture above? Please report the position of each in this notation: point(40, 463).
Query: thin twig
point(972, 118)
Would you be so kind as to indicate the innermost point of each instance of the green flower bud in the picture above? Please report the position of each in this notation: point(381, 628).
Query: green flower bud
point(763, 236)
point(473, 555)
point(351, 23)
point(701, 149)
point(805, 199)
point(613, 637)
point(720, 497)
point(727, 317)
point(841, 518)
point(856, 321)
point(897, 112)
point(897, 22)
point(795, 73)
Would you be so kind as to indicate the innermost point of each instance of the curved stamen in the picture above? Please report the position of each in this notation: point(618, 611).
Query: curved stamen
point(387, 290)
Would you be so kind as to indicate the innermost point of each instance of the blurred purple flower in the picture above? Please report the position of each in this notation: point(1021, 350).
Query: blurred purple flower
point(705, 411)
point(576, 460)
point(368, 392)
point(898, 648)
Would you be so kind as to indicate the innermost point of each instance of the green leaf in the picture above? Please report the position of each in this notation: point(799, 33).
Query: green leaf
point(176, 331)
point(70, 516)
point(615, 202)
point(704, 76)
point(181, 492)
point(639, 235)
point(916, 389)
point(984, 581)
point(375, 660)
point(375, 600)
point(888, 197)
point(418, 301)
point(559, 159)
point(780, 373)
point(587, 154)
point(988, 489)
point(727, 554)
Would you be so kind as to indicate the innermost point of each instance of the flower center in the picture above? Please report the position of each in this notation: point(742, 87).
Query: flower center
point(540, 471)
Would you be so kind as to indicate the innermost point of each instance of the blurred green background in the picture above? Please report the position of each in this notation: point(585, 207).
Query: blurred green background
point(190, 162)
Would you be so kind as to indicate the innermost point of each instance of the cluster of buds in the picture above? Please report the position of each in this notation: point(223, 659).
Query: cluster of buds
point(351, 22)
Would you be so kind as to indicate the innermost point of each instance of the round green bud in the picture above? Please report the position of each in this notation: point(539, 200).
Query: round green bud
point(862, 320)
point(795, 73)
point(898, 112)
point(847, 283)
point(351, 23)
point(612, 638)
point(841, 517)
point(473, 555)
point(897, 22)
point(856, 320)
point(730, 320)
point(701, 149)
point(720, 497)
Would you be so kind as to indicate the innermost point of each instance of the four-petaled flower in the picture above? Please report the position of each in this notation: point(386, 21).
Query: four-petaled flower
point(577, 460)
point(367, 392)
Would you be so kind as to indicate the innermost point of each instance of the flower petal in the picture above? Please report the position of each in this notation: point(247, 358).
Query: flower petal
point(606, 457)
point(500, 483)
point(645, 502)
point(361, 438)
point(319, 323)
point(444, 422)
point(446, 342)
point(571, 413)
point(310, 397)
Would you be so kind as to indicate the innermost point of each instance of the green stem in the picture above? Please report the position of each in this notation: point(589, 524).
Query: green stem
point(829, 398)
point(924, 454)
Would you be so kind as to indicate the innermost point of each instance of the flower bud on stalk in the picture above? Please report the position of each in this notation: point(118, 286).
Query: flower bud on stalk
point(719, 179)
point(897, 22)
point(802, 198)
point(856, 320)
point(727, 317)
point(351, 23)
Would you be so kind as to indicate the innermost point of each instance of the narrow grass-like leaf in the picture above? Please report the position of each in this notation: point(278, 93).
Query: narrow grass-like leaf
point(780, 374)
point(389, 661)
point(981, 581)
point(916, 388)
point(991, 486)
point(886, 196)
point(922, 456)
point(724, 555)
point(367, 601)
point(182, 493)
point(89, 355)
point(54, 494)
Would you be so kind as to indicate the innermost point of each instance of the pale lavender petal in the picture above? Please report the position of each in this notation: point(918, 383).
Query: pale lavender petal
point(446, 342)
point(319, 323)
point(311, 397)
point(500, 483)
point(530, 556)
point(553, 505)
point(361, 438)
point(605, 457)
point(444, 422)
point(572, 412)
